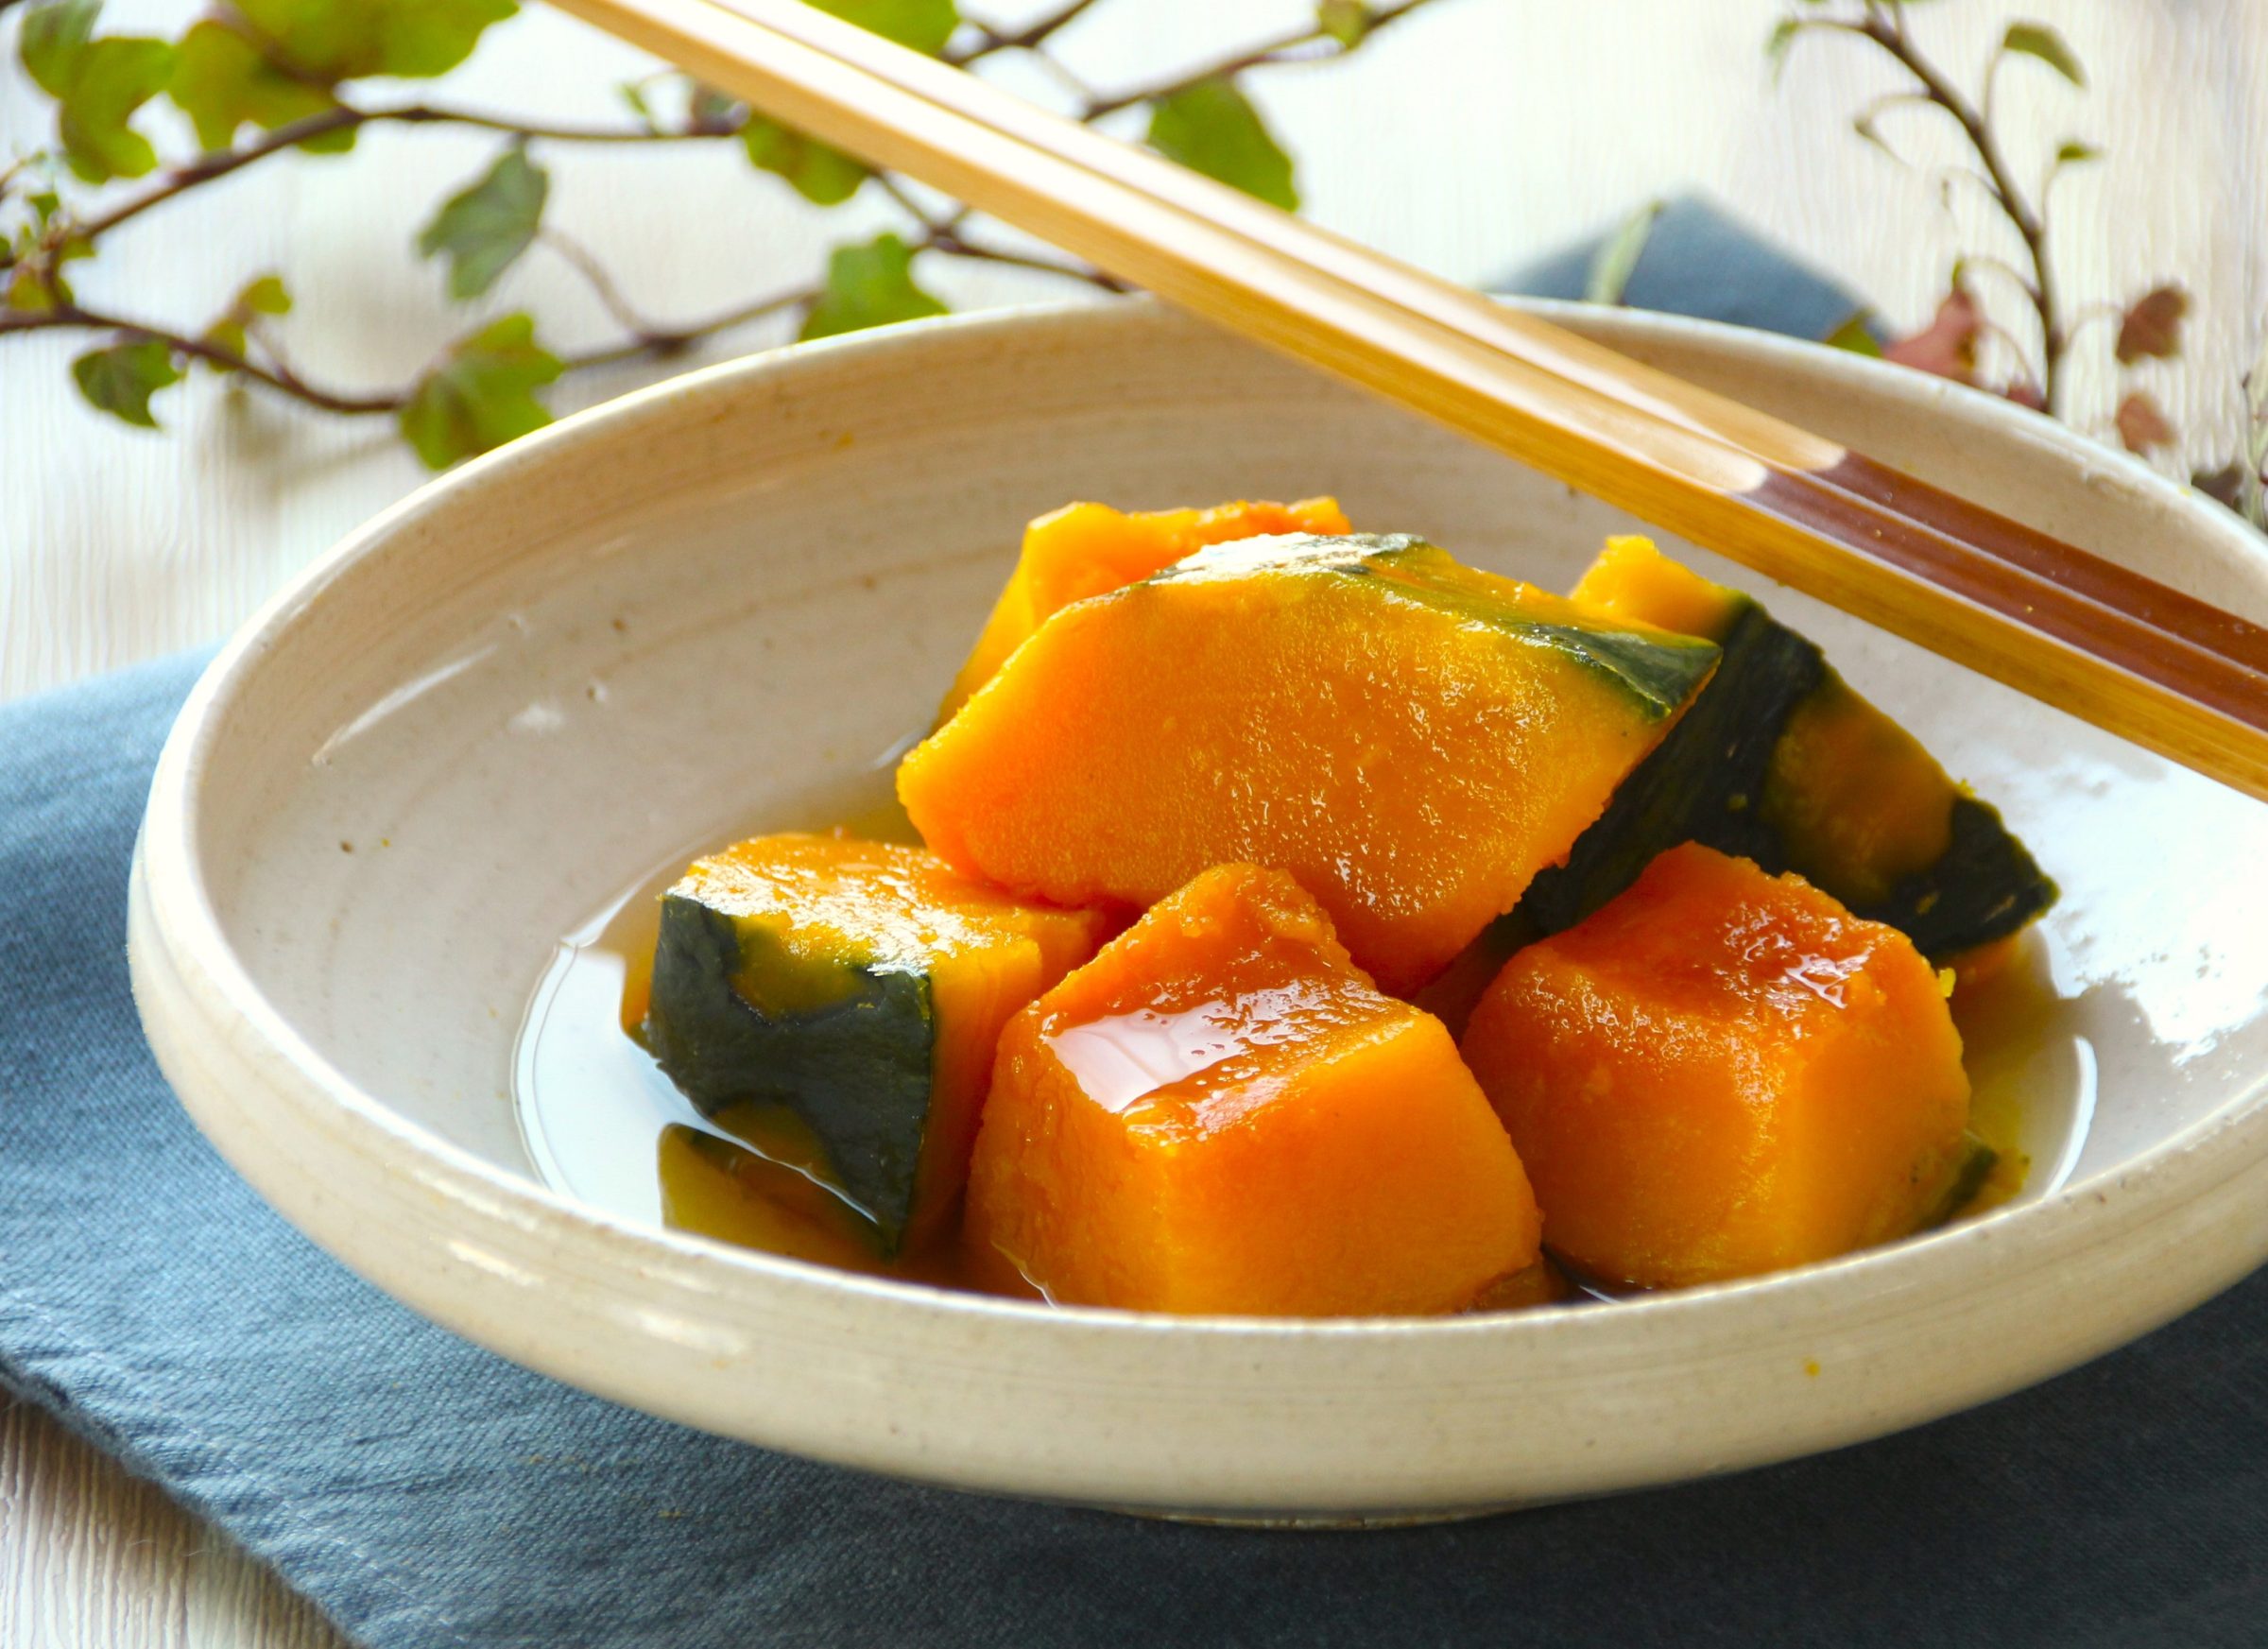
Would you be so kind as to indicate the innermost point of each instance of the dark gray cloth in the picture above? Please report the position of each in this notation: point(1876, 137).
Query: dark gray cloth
point(1696, 260)
point(425, 1493)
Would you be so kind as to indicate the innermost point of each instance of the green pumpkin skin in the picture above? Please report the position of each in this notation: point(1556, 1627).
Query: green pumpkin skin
point(855, 1071)
point(834, 1003)
point(1707, 781)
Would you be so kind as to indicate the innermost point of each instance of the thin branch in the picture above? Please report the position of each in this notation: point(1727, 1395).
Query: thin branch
point(347, 118)
point(662, 342)
point(260, 362)
point(1943, 179)
point(1891, 36)
point(207, 167)
point(1061, 74)
point(948, 244)
point(1985, 262)
point(1989, 328)
point(903, 197)
point(73, 317)
point(578, 257)
point(697, 131)
point(1295, 47)
point(1030, 38)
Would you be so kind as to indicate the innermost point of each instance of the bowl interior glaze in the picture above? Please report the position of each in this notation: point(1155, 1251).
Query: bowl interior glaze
point(514, 695)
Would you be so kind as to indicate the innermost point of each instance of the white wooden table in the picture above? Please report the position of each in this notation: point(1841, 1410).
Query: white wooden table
point(1468, 141)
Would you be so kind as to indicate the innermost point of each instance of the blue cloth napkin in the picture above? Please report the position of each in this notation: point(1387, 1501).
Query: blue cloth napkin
point(425, 1493)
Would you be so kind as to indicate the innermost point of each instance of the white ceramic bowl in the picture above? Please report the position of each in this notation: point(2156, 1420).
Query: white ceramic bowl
point(546, 673)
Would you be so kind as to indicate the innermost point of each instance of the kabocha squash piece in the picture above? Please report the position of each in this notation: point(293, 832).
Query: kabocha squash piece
point(836, 1002)
point(1723, 1072)
point(1781, 761)
point(1086, 549)
point(1220, 1113)
point(1408, 737)
point(719, 1189)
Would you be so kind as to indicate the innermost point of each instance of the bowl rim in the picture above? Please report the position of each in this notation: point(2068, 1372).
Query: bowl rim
point(171, 875)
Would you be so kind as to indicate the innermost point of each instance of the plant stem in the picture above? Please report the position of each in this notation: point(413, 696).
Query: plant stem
point(347, 118)
point(947, 243)
point(1888, 32)
point(646, 339)
point(261, 363)
point(662, 342)
point(1289, 47)
point(578, 257)
point(1030, 38)
point(74, 316)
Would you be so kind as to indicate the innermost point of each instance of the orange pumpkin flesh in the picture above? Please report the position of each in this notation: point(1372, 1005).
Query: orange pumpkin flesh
point(1410, 738)
point(1722, 1072)
point(1220, 1113)
point(1086, 549)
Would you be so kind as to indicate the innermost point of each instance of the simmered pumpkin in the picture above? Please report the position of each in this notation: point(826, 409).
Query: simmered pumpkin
point(1723, 1072)
point(1781, 761)
point(1410, 738)
point(720, 1189)
point(1221, 1113)
point(1085, 549)
point(836, 1002)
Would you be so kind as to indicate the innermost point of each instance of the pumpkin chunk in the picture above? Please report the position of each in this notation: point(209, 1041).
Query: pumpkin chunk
point(1408, 737)
point(1220, 1113)
point(1781, 761)
point(1087, 549)
point(1723, 1072)
point(836, 1002)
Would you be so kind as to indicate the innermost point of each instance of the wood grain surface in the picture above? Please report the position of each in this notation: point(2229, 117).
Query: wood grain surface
point(1468, 141)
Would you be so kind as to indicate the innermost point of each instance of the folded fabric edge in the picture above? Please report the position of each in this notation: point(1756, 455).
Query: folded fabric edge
point(46, 1363)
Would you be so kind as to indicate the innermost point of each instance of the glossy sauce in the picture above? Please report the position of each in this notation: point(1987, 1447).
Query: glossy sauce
point(603, 1124)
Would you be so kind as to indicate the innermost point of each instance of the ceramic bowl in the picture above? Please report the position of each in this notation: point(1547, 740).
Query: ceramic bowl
point(488, 712)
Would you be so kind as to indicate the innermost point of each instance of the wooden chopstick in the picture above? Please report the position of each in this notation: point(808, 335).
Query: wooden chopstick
point(2146, 662)
point(1565, 354)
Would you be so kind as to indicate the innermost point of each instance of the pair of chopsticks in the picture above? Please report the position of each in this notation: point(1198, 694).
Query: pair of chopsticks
point(2133, 656)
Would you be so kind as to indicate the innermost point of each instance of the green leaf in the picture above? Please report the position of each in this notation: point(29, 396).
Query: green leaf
point(483, 228)
point(1213, 127)
point(633, 97)
point(869, 286)
point(26, 293)
point(2072, 152)
point(1344, 21)
point(329, 40)
point(121, 379)
point(1618, 254)
point(924, 24)
point(2036, 40)
point(1776, 43)
point(1856, 336)
point(223, 81)
point(26, 290)
point(823, 176)
point(54, 37)
point(481, 395)
point(116, 75)
point(263, 294)
point(98, 83)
